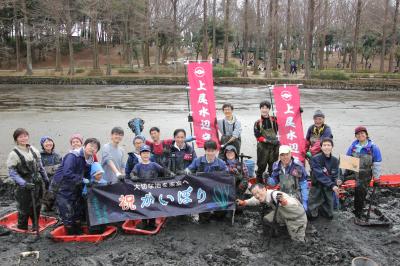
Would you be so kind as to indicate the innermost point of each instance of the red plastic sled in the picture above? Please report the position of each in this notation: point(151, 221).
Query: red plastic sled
point(130, 227)
point(60, 235)
point(11, 220)
point(389, 181)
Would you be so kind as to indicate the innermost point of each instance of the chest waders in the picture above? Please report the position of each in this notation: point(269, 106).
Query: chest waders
point(267, 153)
point(28, 202)
point(363, 178)
point(290, 185)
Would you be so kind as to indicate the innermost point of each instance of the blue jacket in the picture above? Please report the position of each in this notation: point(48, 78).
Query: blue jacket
point(274, 180)
point(71, 172)
point(201, 165)
point(326, 133)
point(132, 161)
point(325, 170)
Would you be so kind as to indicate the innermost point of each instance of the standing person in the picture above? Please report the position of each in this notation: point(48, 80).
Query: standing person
point(134, 157)
point(325, 180)
point(112, 156)
point(290, 175)
point(290, 211)
point(230, 129)
point(24, 167)
point(147, 171)
point(265, 131)
point(370, 166)
point(51, 161)
point(238, 170)
point(181, 153)
point(316, 133)
point(67, 185)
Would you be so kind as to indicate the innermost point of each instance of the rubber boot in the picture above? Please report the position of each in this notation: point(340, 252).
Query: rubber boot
point(77, 229)
point(22, 221)
point(69, 230)
point(142, 225)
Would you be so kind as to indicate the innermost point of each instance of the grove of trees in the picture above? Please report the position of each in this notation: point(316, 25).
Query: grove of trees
point(268, 34)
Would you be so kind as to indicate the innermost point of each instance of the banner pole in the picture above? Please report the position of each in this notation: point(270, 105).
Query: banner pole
point(272, 107)
point(190, 117)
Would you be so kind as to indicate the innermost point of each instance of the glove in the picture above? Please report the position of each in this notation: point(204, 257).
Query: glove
point(85, 181)
point(308, 155)
point(187, 171)
point(222, 146)
point(121, 177)
point(29, 186)
point(240, 202)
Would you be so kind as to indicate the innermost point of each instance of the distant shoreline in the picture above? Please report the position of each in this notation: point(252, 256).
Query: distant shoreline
point(359, 84)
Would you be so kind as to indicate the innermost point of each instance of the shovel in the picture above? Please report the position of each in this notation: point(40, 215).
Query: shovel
point(35, 217)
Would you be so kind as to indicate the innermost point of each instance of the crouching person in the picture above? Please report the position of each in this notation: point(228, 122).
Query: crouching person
point(67, 185)
point(24, 167)
point(290, 212)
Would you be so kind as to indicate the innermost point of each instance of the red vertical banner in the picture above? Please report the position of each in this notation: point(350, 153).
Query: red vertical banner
point(290, 125)
point(202, 102)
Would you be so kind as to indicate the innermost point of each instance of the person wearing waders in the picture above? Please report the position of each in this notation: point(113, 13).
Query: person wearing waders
point(206, 164)
point(146, 171)
point(181, 153)
point(230, 129)
point(325, 180)
point(235, 168)
point(51, 160)
point(67, 185)
point(265, 131)
point(290, 175)
point(370, 167)
point(290, 212)
point(316, 133)
point(26, 170)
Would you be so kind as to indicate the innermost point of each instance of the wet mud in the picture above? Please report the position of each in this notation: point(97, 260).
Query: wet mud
point(93, 111)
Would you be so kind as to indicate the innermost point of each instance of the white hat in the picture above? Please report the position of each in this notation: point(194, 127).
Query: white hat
point(284, 149)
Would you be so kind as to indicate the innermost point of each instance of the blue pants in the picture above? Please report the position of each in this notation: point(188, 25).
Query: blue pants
point(70, 207)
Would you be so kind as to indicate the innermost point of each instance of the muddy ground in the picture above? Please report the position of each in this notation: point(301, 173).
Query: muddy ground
point(93, 111)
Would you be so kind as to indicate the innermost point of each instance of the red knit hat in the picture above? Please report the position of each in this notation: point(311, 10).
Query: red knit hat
point(359, 129)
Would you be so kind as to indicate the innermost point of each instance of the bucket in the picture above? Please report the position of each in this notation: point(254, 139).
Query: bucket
point(250, 167)
point(363, 261)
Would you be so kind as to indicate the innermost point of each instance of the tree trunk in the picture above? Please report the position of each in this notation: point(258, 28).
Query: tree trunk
point(355, 39)
point(175, 33)
point(309, 38)
point(394, 37)
point(108, 40)
point(226, 32)
point(288, 35)
point(146, 48)
point(245, 38)
point(258, 25)
point(71, 70)
point(95, 49)
point(58, 49)
point(268, 42)
point(204, 53)
point(275, 49)
point(29, 71)
point(214, 50)
point(323, 35)
point(383, 49)
point(17, 37)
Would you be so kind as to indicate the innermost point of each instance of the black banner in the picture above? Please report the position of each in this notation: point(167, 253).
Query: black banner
point(181, 195)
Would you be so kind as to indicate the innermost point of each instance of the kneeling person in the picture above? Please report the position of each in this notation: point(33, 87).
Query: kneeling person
point(290, 212)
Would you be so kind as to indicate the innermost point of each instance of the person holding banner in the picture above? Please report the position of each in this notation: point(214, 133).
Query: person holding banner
point(316, 133)
point(265, 131)
point(325, 179)
point(67, 185)
point(134, 157)
point(230, 129)
point(181, 154)
point(370, 167)
point(290, 175)
point(288, 210)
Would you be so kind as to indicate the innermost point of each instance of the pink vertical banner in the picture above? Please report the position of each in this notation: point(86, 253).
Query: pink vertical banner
point(202, 102)
point(290, 125)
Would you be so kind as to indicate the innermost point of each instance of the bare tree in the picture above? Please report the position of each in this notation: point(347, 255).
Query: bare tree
point(394, 36)
point(383, 49)
point(245, 38)
point(288, 36)
point(214, 44)
point(258, 36)
point(268, 51)
point(17, 35)
point(355, 38)
point(204, 53)
point(275, 45)
point(309, 38)
point(226, 32)
point(28, 36)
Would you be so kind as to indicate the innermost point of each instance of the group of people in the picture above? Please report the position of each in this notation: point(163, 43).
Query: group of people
point(47, 177)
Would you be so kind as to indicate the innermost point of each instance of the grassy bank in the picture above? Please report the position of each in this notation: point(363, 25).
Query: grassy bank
point(364, 84)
